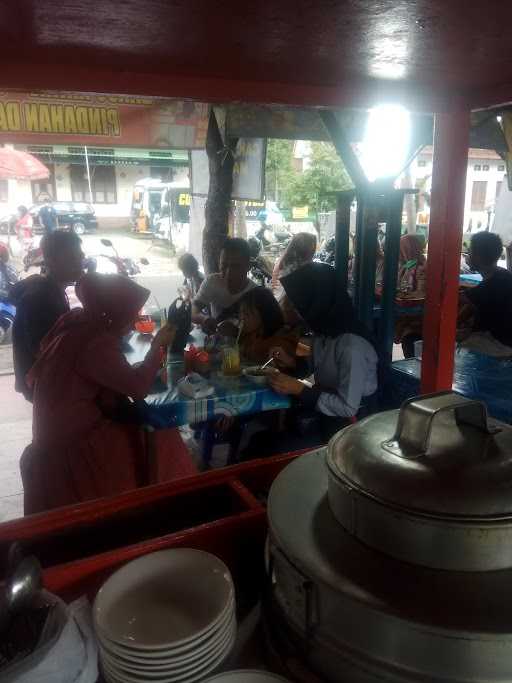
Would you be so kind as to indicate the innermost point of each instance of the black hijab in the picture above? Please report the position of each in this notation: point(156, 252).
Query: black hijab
point(326, 308)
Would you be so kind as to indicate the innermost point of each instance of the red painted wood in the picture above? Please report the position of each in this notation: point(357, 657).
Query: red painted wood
point(451, 138)
point(96, 79)
point(294, 51)
point(237, 540)
point(64, 519)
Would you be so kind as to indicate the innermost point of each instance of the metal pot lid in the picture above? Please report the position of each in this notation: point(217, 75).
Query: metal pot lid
point(439, 455)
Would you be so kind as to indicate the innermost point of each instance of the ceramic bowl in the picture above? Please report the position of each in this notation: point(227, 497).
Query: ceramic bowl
point(191, 675)
point(137, 664)
point(163, 600)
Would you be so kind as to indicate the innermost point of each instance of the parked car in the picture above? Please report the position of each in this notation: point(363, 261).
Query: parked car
point(77, 216)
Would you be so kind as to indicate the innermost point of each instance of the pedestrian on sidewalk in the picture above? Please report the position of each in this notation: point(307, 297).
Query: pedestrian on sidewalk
point(40, 300)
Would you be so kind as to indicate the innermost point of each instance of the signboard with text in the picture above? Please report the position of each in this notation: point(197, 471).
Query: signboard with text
point(60, 118)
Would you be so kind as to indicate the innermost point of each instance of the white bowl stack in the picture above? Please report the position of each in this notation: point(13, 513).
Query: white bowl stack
point(167, 617)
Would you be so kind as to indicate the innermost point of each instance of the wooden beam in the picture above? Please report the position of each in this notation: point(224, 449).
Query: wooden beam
point(451, 140)
point(93, 78)
point(344, 149)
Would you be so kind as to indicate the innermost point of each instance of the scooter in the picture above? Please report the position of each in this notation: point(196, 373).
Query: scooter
point(8, 278)
point(113, 263)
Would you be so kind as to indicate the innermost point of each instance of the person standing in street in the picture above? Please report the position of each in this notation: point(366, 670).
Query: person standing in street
point(40, 300)
point(48, 217)
point(24, 226)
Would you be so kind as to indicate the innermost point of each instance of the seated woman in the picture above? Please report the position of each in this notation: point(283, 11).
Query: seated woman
point(342, 365)
point(87, 439)
point(411, 285)
point(263, 326)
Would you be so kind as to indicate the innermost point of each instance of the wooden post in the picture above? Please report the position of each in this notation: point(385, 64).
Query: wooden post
point(342, 232)
point(451, 139)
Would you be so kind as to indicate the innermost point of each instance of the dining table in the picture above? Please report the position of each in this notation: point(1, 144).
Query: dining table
point(475, 376)
point(166, 406)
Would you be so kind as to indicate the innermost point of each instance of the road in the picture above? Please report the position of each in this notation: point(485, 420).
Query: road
point(161, 275)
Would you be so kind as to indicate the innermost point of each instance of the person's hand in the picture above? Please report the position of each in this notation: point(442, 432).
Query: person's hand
point(227, 329)
point(165, 335)
point(209, 325)
point(284, 384)
point(282, 359)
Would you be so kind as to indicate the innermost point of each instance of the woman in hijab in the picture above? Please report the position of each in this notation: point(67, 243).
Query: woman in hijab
point(411, 274)
point(343, 362)
point(411, 285)
point(86, 444)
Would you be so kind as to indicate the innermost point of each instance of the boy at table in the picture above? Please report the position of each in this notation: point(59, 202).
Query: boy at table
point(222, 291)
point(485, 319)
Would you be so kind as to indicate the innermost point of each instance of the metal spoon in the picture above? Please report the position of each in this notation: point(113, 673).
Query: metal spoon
point(271, 360)
point(20, 590)
point(25, 583)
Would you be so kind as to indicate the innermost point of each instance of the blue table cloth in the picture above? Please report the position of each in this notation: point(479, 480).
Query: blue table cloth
point(165, 407)
point(475, 376)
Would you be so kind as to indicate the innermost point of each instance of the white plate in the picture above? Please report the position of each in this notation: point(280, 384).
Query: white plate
point(170, 654)
point(137, 666)
point(164, 599)
point(246, 676)
point(196, 674)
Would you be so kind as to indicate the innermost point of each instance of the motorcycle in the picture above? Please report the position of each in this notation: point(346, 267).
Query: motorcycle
point(113, 263)
point(274, 240)
point(327, 252)
point(260, 270)
point(8, 278)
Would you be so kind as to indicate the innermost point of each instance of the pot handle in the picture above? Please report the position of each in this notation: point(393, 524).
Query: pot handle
point(417, 417)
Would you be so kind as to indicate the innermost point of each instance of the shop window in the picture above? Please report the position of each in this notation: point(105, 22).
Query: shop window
point(4, 191)
point(103, 184)
point(103, 181)
point(44, 190)
point(477, 167)
point(478, 195)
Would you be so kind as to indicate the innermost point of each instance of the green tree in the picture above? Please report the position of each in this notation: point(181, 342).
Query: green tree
point(279, 172)
point(326, 174)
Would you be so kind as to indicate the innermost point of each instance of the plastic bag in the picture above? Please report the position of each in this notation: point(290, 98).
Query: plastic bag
point(67, 651)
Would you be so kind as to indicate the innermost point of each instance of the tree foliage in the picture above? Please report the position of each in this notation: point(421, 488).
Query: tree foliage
point(325, 174)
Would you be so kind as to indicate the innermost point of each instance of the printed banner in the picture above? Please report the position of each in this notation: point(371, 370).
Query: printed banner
point(60, 118)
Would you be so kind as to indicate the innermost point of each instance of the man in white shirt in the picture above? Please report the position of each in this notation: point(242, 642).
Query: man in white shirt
point(222, 291)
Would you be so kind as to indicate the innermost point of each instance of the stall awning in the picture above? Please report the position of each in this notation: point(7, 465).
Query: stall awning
point(109, 156)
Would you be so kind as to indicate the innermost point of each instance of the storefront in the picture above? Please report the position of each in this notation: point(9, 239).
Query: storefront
point(97, 147)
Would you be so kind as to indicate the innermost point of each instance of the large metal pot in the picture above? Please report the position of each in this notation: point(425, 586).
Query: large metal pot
point(395, 489)
point(360, 616)
point(431, 485)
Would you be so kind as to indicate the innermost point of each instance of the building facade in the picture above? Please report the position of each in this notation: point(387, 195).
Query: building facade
point(112, 174)
point(485, 175)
